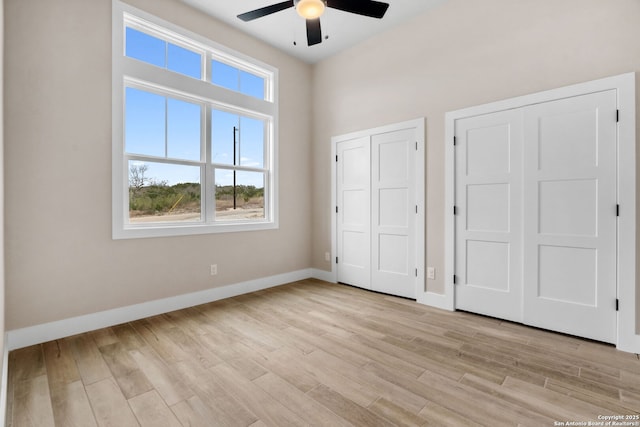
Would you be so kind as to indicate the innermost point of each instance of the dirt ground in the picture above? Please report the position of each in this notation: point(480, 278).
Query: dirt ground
point(229, 214)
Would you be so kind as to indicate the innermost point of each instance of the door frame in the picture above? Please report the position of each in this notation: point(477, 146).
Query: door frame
point(419, 126)
point(628, 337)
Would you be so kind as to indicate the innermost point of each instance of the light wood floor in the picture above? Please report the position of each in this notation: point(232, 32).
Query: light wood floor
point(313, 353)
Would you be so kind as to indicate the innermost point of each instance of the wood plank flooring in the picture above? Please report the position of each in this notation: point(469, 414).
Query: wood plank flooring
point(314, 353)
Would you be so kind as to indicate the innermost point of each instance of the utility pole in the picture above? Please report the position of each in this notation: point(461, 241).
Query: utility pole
point(235, 141)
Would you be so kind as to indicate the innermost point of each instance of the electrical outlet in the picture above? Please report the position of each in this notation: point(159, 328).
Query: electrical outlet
point(327, 256)
point(431, 273)
point(214, 269)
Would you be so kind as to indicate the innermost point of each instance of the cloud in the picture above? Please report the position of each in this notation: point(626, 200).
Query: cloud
point(247, 161)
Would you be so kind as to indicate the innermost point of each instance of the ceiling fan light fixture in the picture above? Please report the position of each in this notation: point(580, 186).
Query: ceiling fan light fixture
point(310, 9)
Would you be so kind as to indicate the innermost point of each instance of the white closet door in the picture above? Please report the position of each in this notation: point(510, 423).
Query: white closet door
point(393, 213)
point(570, 216)
point(354, 218)
point(488, 221)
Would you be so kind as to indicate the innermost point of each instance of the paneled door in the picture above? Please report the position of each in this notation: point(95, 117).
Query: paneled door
point(488, 215)
point(393, 213)
point(536, 198)
point(354, 217)
point(376, 212)
point(570, 216)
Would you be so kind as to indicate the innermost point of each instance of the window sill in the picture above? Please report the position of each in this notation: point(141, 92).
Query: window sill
point(171, 230)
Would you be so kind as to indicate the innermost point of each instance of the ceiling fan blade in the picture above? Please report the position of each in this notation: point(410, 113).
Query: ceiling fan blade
point(268, 10)
point(314, 32)
point(373, 9)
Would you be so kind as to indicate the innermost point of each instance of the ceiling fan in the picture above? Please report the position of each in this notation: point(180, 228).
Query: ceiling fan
point(311, 10)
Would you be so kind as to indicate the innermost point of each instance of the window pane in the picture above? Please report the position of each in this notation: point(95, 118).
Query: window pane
point(145, 47)
point(239, 195)
point(158, 52)
point(251, 85)
point(224, 75)
point(184, 61)
point(144, 123)
point(183, 130)
point(160, 192)
point(246, 133)
point(237, 80)
point(223, 127)
point(251, 142)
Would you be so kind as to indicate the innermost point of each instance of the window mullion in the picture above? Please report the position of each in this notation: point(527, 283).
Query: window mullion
point(267, 165)
point(206, 67)
point(143, 158)
point(208, 187)
point(166, 126)
point(166, 54)
point(240, 168)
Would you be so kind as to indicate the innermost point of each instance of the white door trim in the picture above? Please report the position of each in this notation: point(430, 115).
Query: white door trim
point(628, 338)
point(419, 126)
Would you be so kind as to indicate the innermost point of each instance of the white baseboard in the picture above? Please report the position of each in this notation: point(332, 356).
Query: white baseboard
point(38, 334)
point(432, 299)
point(326, 276)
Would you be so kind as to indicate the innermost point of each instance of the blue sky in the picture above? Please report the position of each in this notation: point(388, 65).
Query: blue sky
point(162, 126)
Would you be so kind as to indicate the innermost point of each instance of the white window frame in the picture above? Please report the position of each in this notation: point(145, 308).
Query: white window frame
point(129, 72)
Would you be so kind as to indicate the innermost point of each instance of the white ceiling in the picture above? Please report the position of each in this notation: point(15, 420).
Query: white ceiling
point(281, 29)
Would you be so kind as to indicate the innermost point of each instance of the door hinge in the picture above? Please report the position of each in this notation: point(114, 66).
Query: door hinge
point(454, 279)
point(336, 209)
point(416, 272)
point(455, 141)
point(336, 260)
point(416, 208)
point(336, 157)
point(617, 210)
point(617, 116)
point(455, 210)
point(617, 304)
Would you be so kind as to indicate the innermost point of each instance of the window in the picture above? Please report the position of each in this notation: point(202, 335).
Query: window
point(194, 133)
